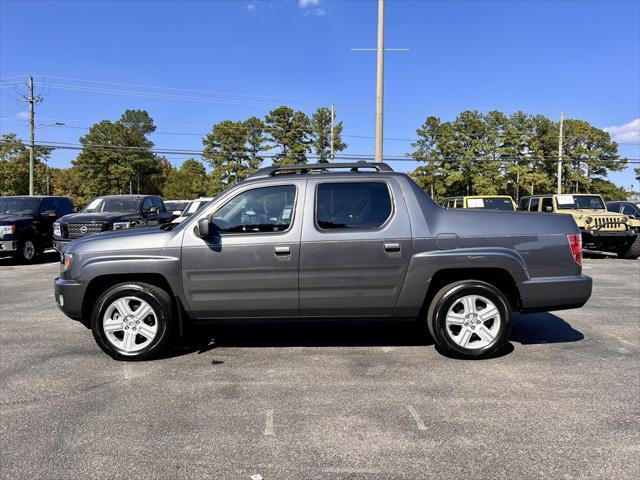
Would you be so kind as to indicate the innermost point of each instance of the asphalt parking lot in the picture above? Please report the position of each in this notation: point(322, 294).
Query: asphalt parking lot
point(330, 401)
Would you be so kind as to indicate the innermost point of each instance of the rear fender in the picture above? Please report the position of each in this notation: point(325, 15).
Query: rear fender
point(424, 266)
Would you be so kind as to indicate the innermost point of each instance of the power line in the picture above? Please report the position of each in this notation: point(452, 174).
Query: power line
point(268, 154)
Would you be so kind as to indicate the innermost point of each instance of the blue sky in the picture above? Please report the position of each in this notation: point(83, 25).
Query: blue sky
point(233, 59)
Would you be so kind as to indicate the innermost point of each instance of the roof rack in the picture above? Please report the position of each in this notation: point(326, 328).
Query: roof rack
point(320, 168)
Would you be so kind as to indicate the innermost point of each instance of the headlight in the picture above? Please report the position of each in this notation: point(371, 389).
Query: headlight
point(67, 258)
point(121, 225)
point(588, 220)
point(7, 229)
point(57, 230)
point(625, 219)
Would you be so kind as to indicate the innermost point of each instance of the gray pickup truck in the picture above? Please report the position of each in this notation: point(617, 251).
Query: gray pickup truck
point(324, 241)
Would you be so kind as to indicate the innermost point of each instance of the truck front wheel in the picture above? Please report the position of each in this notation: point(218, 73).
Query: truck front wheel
point(27, 251)
point(632, 251)
point(132, 321)
point(469, 319)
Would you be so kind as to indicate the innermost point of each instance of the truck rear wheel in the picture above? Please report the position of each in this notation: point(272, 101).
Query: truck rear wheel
point(132, 321)
point(469, 319)
point(632, 252)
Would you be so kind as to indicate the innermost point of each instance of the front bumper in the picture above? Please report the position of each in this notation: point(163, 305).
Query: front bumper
point(69, 295)
point(8, 246)
point(554, 293)
point(596, 234)
point(59, 243)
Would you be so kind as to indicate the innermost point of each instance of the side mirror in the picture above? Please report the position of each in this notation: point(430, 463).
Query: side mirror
point(203, 227)
point(75, 209)
point(176, 213)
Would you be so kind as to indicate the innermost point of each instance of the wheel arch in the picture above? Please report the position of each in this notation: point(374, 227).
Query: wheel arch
point(98, 285)
point(498, 277)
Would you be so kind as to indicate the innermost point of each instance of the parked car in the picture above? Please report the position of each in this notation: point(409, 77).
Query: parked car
point(352, 240)
point(624, 207)
point(26, 224)
point(176, 207)
point(192, 208)
point(600, 228)
point(489, 202)
point(112, 212)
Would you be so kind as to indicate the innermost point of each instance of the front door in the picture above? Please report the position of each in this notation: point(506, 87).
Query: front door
point(248, 267)
point(356, 245)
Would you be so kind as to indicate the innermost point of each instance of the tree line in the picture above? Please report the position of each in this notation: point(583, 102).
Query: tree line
point(479, 154)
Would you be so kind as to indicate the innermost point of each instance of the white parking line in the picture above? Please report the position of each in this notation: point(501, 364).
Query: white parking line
point(416, 417)
point(268, 424)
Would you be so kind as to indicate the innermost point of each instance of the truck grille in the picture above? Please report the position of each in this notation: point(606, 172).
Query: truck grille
point(79, 230)
point(609, 223)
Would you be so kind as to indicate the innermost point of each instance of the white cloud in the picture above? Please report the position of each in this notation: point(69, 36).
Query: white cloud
point(23, 115)
point(626, 133)
point(308, 3)
point(251, 6)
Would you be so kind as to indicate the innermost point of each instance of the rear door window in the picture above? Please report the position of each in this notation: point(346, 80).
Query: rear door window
point(547, 202)
point(352, 205)
point(533, 206)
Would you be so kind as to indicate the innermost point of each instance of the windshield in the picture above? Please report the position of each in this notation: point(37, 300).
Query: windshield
point(19, 205)
point(568, 202)
point(112, 204)
point(490, 203)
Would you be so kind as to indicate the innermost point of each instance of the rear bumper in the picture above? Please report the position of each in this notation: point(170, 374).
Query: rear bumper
point(8, 246)
point(554, 293)
point(69, 295)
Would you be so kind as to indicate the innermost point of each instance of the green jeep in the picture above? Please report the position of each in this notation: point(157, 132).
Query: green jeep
point(601, 229)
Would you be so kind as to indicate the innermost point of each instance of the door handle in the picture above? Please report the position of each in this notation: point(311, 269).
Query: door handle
point(391, 247)
point(286, 250)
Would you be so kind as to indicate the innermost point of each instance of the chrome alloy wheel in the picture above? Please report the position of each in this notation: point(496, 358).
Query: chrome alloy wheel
point(473, 322)
point(28, 250)
point(130, 324)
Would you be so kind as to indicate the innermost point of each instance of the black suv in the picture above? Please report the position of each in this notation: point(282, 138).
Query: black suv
point(26, 224)
point(630, 209)
point(113, 212)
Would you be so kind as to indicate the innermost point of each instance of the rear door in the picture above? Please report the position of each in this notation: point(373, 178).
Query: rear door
point(356, 244)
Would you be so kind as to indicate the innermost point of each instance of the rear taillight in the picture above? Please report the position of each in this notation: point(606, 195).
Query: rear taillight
point(575, 244)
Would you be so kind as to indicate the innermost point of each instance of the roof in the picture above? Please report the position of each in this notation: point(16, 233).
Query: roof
point(539, 195)
point(319, 168)
point(39, 197)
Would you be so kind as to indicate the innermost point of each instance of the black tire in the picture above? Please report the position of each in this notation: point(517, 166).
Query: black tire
point(160, 302)
point(632, 252)
point(451, 294)
point(27, 251)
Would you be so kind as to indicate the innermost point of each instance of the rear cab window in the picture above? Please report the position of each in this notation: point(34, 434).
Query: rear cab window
point(353, 205)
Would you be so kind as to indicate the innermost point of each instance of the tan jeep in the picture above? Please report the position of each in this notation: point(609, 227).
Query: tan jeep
point(601, 229)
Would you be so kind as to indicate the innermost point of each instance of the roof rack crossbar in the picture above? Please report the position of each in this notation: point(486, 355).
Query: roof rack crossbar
point(322, 167)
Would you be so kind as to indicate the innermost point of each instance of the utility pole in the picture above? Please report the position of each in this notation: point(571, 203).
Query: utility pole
point(32, 140)
point(560, 155)
point(331, 141)
point(380, 85)
point(380, 80)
